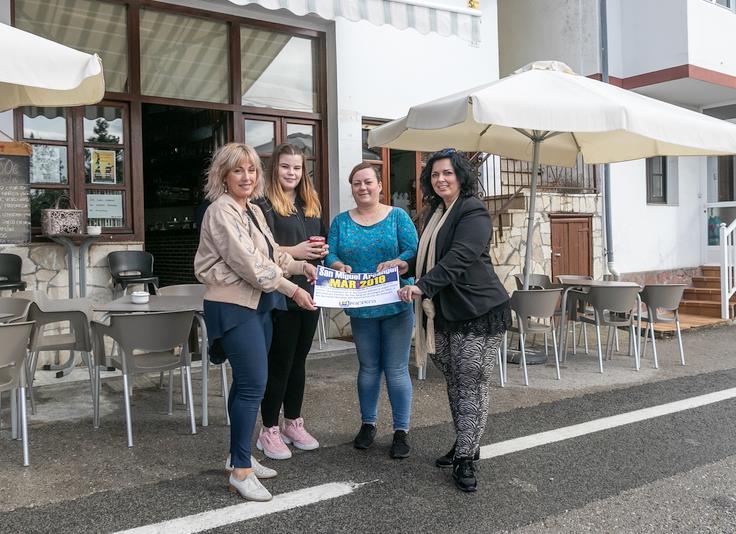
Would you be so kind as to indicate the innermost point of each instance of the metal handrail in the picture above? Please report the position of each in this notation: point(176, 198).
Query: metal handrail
point(728, 266)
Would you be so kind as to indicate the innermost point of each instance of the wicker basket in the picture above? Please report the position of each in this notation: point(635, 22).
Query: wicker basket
point(60, 221)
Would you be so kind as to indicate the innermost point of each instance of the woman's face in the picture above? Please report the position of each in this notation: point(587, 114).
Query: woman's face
point(290, 171)
point(241, 181)
point(366, 188)
point(444, 180)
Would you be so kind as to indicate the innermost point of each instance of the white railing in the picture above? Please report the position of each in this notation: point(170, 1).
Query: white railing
point(728, 266)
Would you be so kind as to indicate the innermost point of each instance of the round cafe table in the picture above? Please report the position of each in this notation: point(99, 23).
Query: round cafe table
point(76, 246)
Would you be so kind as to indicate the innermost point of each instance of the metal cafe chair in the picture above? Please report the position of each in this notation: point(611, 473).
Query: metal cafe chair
point(613, 306)
point(196, 337)
point(131, 267)
point(11, 266)
point(14, 340)
point(532, 307)
point(660, 298)
point(148, 342)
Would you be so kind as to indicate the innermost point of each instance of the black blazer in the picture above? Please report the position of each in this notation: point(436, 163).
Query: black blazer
point(462, 280)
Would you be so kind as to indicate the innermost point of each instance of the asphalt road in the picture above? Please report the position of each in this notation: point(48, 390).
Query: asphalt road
point(673, 473)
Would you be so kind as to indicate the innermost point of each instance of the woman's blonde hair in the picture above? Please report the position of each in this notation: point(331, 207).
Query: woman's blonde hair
point(305, 190)
point(224, 160)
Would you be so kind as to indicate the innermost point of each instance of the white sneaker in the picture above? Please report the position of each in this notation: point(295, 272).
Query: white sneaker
point(260, 470)
point(250, 488)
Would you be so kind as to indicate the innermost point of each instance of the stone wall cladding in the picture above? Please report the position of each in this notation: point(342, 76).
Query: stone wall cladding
point(507, 251)
point(671, 276)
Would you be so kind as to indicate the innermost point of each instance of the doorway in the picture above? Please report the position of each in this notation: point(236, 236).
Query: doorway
point(178, 143)
point(572, 245)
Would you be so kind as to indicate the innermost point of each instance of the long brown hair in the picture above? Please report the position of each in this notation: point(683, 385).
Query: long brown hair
point(304, 190)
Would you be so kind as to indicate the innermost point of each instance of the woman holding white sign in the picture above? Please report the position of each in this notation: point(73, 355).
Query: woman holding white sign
point(369, 238)
point(464, 308)
point(246, 274)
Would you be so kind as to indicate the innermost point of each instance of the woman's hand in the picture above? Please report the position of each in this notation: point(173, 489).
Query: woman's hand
point(310, 271)
point(340, 266)
point(307, 250)
point(304, 299)
point(401, 264)
point(407, 293)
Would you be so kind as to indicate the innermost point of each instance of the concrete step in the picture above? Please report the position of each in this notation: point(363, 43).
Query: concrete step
point(702, 293)
point(707, 282)
point(711, 270)
point(704, 308)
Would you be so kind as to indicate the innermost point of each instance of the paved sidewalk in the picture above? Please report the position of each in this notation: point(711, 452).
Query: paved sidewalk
point(70, 459)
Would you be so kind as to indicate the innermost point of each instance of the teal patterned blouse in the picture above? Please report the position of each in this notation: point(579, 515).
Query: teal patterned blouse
point(364, 247)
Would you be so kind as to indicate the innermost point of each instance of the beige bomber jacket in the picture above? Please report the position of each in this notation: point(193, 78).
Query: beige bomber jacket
point(232, 258)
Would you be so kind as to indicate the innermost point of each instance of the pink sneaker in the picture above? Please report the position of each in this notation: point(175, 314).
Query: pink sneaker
point(270, 442)
point(293, 431)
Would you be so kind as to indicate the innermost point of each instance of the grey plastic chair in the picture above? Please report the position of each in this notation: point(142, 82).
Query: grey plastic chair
point(11, 268)
point(536, 281)
point(658, 298)
point(48, 321)
point(148, 342)
point(198, 290)
point(613, 306)
point(15, 307)
point(576, 307)
point(14, 341)
point(131, 267)
point(531, 307)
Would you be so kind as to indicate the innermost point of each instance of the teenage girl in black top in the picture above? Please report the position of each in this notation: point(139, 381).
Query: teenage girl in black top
point(293, 213)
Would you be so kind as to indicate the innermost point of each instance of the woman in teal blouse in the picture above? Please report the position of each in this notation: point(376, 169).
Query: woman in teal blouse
point(369, 238)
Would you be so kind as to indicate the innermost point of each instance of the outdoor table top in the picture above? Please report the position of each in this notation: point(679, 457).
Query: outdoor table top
point(582, 282)
point(156, 303)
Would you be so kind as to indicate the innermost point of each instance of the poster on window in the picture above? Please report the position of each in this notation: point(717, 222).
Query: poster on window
point(48, 165)
point(102, 166)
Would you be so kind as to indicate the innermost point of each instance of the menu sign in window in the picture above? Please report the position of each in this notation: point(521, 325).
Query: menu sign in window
point(15, 196)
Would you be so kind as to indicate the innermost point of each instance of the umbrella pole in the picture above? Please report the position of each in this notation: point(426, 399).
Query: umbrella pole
point(537, 139)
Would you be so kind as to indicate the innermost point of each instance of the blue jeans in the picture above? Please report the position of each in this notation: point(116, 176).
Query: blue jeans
point(246, 347)
point(383, 348)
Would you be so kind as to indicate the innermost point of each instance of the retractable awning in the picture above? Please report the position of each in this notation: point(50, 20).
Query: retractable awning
point(423, 16)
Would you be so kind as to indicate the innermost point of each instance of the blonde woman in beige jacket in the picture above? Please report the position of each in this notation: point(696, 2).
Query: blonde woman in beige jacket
point(246, 274)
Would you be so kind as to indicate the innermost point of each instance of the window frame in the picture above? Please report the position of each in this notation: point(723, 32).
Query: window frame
point(134, 99)
point(652, 198)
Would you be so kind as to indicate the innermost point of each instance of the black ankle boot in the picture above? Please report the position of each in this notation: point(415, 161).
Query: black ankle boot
point(463, 473)
point(446, 460)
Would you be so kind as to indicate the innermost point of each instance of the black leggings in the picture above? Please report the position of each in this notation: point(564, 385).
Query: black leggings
point(293, 331)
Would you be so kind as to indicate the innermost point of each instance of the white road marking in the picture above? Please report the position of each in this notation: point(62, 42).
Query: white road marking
point(247, 510)
point(560, 434)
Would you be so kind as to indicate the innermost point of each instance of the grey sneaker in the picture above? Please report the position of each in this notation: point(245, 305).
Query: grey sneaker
point(250, 488)
point(260, 470)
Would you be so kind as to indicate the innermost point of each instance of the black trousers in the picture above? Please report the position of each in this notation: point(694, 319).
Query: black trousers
point(293, 331)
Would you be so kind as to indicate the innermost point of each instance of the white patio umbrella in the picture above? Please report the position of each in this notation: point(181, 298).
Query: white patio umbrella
point(546, 113)
point(37, 72)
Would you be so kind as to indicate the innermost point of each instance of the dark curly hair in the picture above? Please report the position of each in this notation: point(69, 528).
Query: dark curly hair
point(466, 177)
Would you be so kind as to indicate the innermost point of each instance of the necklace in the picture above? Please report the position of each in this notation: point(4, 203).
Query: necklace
point(371, 218)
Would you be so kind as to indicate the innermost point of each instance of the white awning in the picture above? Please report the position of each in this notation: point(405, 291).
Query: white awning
point(423, 16)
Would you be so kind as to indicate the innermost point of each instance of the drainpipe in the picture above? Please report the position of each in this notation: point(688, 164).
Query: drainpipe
point(606, 167)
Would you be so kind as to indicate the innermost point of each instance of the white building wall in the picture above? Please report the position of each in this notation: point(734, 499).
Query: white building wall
point(563, 30)
point(651, 35)
point(712, 37)
point(381, 72)
point(656, 237)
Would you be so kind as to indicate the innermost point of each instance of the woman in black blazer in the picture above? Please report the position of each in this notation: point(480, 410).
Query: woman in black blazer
point(463, 309)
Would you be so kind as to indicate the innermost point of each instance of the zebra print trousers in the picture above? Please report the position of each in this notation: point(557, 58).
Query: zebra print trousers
point(467, 361)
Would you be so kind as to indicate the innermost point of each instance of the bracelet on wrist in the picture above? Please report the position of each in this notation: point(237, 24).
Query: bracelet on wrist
point(296, 289)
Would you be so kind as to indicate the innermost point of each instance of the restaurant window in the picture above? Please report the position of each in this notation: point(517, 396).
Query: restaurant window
point(99, 184)
point(399, 171)
point(184, 57)
point(95, 27)
point(278, 70)
point(662, 180)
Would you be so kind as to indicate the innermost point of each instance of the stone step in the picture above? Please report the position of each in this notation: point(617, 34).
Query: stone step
point(705, 308)
point(703, 293)
point(708, 282)
point(711, 270)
